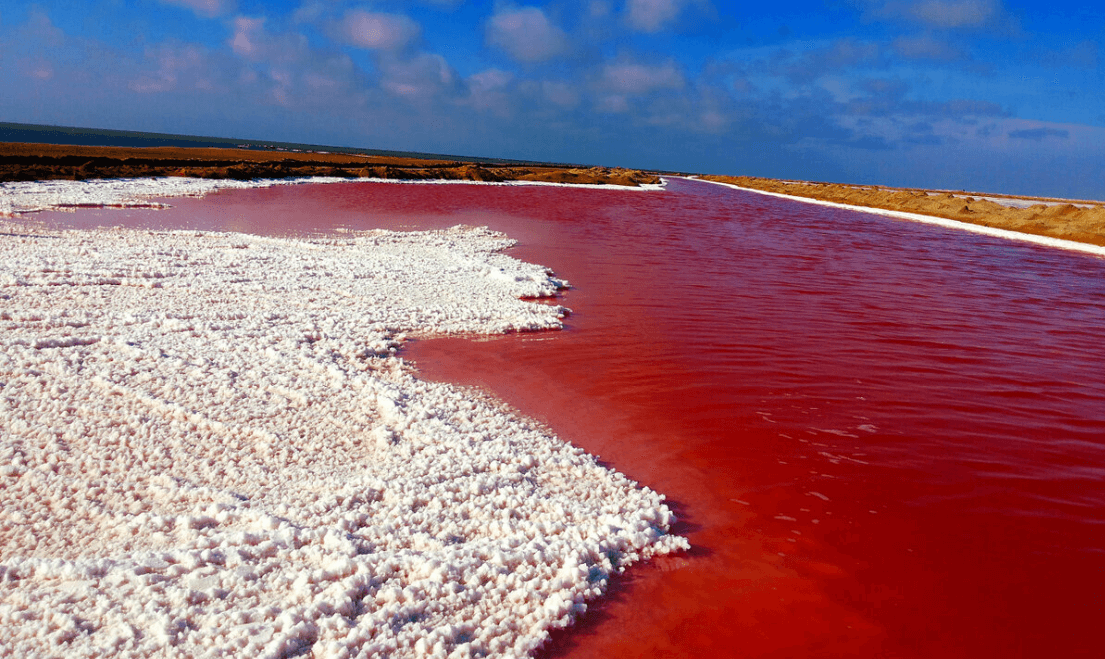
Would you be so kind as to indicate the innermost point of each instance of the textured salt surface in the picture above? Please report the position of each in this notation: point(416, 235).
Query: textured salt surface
point(34, 196)
point(208, 447)
point(1029, 203)
point(939, 221)
point(644, 187)
point(1010, 202)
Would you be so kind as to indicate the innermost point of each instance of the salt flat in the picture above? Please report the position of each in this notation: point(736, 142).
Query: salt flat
point(210, 447)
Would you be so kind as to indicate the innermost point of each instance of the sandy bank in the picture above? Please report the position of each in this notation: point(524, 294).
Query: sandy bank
point(34, 162)
point(1077, 221)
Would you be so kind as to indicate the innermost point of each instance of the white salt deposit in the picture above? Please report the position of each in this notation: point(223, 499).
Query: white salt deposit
point(1028, 203)
point(644, 187)
point(1046, 241)
point(208, 448)
point(33, 196)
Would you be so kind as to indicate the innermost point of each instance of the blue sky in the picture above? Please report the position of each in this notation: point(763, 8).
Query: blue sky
point(994, 95)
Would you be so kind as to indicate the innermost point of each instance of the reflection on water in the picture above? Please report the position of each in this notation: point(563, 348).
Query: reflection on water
point(883, 438)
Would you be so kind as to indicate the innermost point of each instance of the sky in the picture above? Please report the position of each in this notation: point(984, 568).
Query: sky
point(982, 95)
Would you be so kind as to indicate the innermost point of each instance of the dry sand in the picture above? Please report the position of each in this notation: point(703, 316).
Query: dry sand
point(1074, 220)
point(37, 162)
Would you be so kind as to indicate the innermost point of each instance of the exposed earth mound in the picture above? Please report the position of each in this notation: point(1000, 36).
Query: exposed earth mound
point(39, 162)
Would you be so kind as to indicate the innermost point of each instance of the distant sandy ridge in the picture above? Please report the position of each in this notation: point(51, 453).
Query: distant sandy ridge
point(35, 162)
point(1074, 220)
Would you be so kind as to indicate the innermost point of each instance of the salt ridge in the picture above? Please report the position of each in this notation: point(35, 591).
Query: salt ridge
point(210, 448)
point(35, 196)
point(644, 187)
point(1046, 241)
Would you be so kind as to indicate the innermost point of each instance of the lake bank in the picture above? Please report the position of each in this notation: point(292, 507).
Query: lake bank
point(1074, 220)
point(34, 162)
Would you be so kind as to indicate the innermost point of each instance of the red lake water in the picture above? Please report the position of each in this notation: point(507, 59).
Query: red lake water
point(882, 438)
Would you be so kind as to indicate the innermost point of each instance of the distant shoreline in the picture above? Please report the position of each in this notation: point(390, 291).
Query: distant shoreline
point(37, 162)
point(1071, 220)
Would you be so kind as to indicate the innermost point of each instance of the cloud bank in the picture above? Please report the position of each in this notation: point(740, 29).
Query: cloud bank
point(671, 84)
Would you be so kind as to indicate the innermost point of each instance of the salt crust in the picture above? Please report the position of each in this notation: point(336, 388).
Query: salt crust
point(208, 447)
point(34, 196)
point(643, 187)
point(1046, 241)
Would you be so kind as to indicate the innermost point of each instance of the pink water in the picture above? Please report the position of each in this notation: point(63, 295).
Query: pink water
point(883, 438)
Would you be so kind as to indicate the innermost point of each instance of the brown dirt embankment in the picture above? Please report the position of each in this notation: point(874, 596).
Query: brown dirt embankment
point(1056, 218)
point(36, 162)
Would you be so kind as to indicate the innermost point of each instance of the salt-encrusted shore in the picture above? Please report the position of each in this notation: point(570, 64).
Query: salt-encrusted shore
point(22, 197)
point(1066, 224)
point(17, 198)
point(1047, 241)
point(208, 447)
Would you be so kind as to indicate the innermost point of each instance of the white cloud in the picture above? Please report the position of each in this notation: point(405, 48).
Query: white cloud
point(282, 68)
point(526, 34)
point(925, 47)
point(614, 104)
point(954, 13)
point(253, 42)
point(419, 77)
point(248, 33)
point(38, 68)
point(713, 121)
point(937, 13)
point(40, 28)
point(378, 31)
point(205, 7)
point(651, 15)
point(599, 8)
point(489, 80)
point(560, 93)
point(629, 79)
point(488, 90)
point(628, 87)
point(178, 66)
